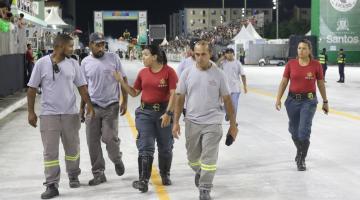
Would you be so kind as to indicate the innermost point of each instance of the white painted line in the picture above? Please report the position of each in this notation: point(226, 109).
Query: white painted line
point(13, 107)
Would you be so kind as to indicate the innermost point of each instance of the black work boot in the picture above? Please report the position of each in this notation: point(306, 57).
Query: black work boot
point(304, 146)
point(97, 180)
point(297, 145)
point(51, 192)
point(120, 168)
point(145, 167)
point(197, 179)
point(164, 166)
point(74, 182)
point(204, 195)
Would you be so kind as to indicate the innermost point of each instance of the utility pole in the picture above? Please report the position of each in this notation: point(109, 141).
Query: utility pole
point(276, 6)
point(245, 7)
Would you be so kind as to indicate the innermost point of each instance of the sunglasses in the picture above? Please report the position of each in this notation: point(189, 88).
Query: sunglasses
point(56, 68)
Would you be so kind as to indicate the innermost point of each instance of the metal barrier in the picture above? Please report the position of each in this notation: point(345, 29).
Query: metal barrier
point(174, 57)
point(11, 73)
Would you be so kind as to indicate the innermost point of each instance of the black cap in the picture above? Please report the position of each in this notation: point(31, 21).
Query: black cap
point(229, 50)
point(96, 37)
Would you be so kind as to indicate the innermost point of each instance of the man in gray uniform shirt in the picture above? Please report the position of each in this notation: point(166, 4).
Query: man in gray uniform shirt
point(104, 91)
point(59, 118)
point(203, 86)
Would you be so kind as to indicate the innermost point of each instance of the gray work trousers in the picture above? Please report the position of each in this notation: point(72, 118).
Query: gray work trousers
point(103, 127)
point(52, 128)
point(202, 145)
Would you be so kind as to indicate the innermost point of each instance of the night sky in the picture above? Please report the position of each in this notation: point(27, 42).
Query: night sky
point(156, 12)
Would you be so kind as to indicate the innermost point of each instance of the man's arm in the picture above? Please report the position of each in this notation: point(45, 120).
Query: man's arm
point(124, 99)
point(179, 105)
point(231, 114)
point(31, 95)
point(243, 79)
point(86, 98)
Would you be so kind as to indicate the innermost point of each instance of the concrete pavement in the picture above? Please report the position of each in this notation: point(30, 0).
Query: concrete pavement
point(259, 165)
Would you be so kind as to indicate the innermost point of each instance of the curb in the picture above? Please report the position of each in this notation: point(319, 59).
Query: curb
point(13, 107)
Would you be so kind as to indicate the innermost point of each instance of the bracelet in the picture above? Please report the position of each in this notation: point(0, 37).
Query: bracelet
point(326, 101)
point(169, 113)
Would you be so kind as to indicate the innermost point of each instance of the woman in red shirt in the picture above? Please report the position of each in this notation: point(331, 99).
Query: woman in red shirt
point(304, 73)
point(157, 83)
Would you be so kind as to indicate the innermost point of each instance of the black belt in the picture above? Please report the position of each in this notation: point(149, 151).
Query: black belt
point(154, 106)
point(96, 105)
point(302, 96)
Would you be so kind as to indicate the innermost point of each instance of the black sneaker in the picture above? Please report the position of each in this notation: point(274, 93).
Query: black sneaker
point(119, 168)
point(204, 195)
point(74, 182)
point(51, 192)
point(97, 180)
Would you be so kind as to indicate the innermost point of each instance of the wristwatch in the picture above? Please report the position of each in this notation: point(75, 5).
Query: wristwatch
point(169, 113)
point(326, 101)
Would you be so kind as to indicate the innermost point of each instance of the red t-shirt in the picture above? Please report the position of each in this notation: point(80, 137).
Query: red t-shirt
point(156, 87)
point(29, 56)
point(303, 78)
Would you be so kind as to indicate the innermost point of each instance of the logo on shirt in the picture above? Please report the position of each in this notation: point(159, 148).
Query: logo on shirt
point(212, 83)
point(309, 76)
point(163, 83)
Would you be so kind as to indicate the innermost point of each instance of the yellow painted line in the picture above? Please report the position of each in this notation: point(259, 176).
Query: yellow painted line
point(155, 177)
point(332, 111)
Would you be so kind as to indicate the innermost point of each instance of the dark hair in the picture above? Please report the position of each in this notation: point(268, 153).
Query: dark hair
point(193, 42)
point(341, 49)
point(28, 45)
point(61, 39)
point(229, 50)
point(160, 53)
point(21, 15)
point(9, 15)
point(306, 41)
point(205, 43)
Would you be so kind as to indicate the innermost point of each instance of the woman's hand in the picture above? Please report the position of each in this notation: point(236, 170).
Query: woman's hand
point(278, 105)
point(165, 120)
point(118, 76)
point(325, 108)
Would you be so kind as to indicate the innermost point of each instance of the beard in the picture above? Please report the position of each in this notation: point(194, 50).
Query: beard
point(99, 55)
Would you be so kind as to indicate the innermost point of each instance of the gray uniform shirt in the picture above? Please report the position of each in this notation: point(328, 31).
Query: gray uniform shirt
point(58, 96)
point(189, 61)
point(203, 91)
point(233, 70)
point(103, 87)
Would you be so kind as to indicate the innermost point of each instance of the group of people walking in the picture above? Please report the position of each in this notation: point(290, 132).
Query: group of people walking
point(201, 90)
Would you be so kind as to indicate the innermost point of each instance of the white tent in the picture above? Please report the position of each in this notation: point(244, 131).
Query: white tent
point(243, 36)
point(164, 42)
point(251, 30)
point(54, 18)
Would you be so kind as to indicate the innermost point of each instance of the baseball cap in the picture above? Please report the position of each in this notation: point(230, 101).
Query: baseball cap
point(96, 37)
point(229, 50)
